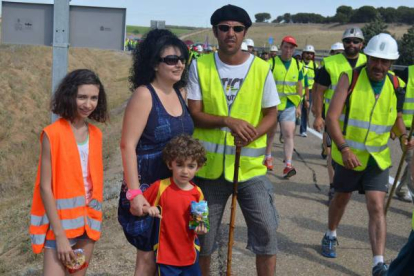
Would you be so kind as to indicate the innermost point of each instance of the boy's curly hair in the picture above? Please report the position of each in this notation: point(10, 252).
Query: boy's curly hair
point(183, 147)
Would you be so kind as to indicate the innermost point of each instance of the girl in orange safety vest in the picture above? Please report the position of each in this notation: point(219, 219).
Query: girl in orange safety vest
point(66, 212)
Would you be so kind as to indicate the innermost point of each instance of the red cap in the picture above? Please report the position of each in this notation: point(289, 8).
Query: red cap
point(290, 39)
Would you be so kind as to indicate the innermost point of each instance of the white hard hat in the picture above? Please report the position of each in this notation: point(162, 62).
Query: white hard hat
point(199, 48)
point(309, 48)
point(337, 46)
point(273, 48)
point(382, 46)
point(353, 32)
point(249, 42)
point(244, 46)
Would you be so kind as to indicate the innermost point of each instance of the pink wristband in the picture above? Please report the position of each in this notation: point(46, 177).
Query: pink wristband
point(131, 194)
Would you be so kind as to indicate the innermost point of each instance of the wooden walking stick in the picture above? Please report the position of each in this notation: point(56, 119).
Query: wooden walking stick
point(394, 186)
point(233, 209)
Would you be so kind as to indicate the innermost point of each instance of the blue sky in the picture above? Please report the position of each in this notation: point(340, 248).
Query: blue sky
point(197, 12)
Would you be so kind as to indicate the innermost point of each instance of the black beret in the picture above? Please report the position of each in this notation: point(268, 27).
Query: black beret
point(231, 13)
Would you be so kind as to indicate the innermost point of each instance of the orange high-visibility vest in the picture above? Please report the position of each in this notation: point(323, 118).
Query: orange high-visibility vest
point(68, 187)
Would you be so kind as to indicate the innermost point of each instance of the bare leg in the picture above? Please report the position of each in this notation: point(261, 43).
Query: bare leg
point(377, 226)
point(145, 263)
point(205, 262)
point(337, 209)
point(265, 265)
point(52, 266)
point(288, 132)
point(270, 137)
point(329, 165)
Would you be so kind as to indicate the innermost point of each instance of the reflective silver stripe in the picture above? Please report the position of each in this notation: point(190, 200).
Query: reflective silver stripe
point(70, 203)
point(248, 152)
point(408, 111)
point(332, 87)
point(365, 125)
point(310, 78)
point(287, 94)
point(225, 129)
point(211, 147)
point(73, 223)
point(287, 83)
point(38, 221)
point(95, 204)
point(361, 146)
point(327, 100)
point(38, 239)
point(94, 224)
point(409, 100)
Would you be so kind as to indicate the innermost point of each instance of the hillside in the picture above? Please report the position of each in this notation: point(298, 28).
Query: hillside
point(322, 36)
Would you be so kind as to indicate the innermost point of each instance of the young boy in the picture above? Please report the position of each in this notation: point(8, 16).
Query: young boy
point(176, 246)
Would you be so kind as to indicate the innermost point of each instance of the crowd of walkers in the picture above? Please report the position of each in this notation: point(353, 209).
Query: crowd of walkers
point(187, 117)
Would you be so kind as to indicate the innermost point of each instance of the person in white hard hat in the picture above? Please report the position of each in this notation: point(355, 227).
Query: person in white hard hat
point(366, 106)
point(199, 49)
point(337, 48)
point(309, 71)
point(250, 45)
point(273, 51)
point(244, 47)
point(327, 80)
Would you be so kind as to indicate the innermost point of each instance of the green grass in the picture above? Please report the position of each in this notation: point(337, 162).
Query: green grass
point(142, 30)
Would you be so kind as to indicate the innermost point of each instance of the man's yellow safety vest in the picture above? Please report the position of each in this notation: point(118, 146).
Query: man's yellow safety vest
point(286, 81)
point(369, 123)
point(335, 65)
point(309, 70)
point(219, 142)
point(408, 107)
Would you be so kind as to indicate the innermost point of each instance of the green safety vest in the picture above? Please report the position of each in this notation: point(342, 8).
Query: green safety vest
point(408, 107)
point(286, 82)
point(219, 142)
point(370, 122)
point(309, 70)
point(335, 65)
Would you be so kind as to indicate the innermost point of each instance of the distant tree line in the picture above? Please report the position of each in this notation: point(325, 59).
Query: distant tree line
point(346, 14)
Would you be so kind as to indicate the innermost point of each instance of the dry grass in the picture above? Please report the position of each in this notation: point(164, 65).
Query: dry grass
point(322, 36)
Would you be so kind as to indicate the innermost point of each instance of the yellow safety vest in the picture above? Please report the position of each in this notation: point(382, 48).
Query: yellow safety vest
point(335, 65)
point(247, 105)
point(286, 81)
point(370, 121)
point(309, 70)
point(408, 107)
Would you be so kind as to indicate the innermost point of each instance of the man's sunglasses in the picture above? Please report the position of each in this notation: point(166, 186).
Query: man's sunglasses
point(354, 41)
point(226, 28)
point(172, 59)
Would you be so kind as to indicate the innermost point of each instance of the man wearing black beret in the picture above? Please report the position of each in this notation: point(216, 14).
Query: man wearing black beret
point(232, 99)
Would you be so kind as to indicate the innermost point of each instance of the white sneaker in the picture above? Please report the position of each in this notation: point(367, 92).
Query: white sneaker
point(303, 134)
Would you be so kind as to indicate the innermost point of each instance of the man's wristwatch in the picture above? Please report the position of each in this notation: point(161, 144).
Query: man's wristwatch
point(131, 194)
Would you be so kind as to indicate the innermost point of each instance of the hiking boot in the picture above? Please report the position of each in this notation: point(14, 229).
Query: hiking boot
point(329, 247)
point(380, 269)
point(303, 134)
point(288, 171)
point(268, 162)
point(331, 194)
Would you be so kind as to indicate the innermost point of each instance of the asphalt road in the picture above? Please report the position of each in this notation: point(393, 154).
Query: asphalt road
point(303, 220)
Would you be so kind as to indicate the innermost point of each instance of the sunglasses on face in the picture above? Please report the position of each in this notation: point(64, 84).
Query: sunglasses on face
point(354, 41)
point(172, 59)
point(226, 28)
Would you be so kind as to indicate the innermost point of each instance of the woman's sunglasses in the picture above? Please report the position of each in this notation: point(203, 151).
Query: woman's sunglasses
point(172, 59)
point(226, 28)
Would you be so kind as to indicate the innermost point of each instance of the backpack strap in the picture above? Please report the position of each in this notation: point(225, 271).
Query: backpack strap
point(273, 64)
point(163, 185)
point(354, 78)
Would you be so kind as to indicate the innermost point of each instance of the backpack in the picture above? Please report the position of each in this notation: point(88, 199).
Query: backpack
point(399, 92)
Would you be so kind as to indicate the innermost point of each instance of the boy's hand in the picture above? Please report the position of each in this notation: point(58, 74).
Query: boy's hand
point(152, 211)
point(201, 229)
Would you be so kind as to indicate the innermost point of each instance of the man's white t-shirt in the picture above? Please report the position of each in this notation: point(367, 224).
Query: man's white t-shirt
point(232, 77)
